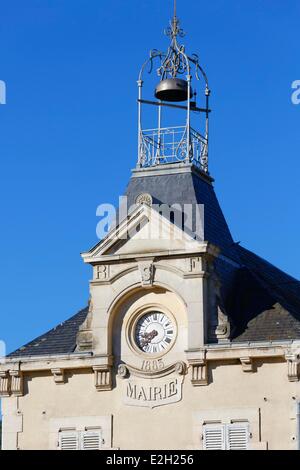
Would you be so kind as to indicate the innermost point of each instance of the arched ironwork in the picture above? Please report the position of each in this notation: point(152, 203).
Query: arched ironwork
point(163, 145)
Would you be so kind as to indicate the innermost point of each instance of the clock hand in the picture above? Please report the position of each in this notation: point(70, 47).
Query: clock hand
point(148, 337)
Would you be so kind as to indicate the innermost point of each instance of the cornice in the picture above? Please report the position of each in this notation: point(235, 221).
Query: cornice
point(87, 360)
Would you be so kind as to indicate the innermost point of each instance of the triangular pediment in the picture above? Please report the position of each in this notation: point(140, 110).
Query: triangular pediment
point(145, 231)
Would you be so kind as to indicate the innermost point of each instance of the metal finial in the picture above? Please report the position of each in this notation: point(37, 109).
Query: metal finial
point(174, 29)
point(175, 22)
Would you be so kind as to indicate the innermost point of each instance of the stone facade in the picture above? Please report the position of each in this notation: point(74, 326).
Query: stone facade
point(266, 398)
point(110, 388)
point(189, 340)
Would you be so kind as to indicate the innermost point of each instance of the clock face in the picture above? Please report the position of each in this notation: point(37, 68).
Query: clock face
point(154, 333)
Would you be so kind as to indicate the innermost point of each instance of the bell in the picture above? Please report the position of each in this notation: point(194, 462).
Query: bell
point(172, 89)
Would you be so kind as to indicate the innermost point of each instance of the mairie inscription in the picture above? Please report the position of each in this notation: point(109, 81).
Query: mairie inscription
point(152, 393)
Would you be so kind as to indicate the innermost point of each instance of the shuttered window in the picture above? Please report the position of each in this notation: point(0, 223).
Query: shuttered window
point(80, 440)
point(91, 440)
point(237, 436)
point(226, 436)
point(68, 440)
point(214, 438)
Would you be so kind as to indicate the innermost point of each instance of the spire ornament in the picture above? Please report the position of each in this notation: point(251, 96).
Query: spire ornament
point(173, 30)
point(176, 69)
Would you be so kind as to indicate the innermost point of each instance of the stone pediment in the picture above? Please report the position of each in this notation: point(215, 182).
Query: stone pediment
point(144, 231)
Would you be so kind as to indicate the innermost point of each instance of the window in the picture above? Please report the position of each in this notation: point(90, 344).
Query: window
point(226, 436)
point(80, 433)
point(68, 440)
point(80, 440)
point(91, 440)
point(214, 437)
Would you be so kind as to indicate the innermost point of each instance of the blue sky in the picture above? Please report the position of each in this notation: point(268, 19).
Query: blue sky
point(68, 134)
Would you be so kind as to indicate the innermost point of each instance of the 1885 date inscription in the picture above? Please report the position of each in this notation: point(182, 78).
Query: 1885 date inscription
point(153, 365)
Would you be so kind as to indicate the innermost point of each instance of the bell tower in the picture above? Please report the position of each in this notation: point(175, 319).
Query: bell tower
point(155, 293)
point(182, 80)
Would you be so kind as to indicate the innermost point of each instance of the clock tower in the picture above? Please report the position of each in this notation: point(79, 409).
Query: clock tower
point(189, 341)
point(155, 297)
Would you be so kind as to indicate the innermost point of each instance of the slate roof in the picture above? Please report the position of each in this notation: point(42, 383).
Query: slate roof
point(185, 188)
point(261, 301)
point(275, 324)
point(262, 288)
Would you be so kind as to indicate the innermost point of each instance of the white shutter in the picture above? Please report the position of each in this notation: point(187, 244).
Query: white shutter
point(237, 436)
point(91, 440)
point(213, 437)
point(68, 440)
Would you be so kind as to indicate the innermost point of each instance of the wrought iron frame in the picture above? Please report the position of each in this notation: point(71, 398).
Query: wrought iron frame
point(192, 146)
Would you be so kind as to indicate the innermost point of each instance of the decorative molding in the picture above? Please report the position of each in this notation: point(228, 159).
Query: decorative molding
point(147, 273)
point(144, 198)
point(16, 383)
point(103, 377)
point(247, 364)
point(125, 370)
point(4, 384)
point(58, 375)
point(293, 366)
point(199, 367)
point(199, 372)
point(222, 331)
point(84, 340)
point(219, 328)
